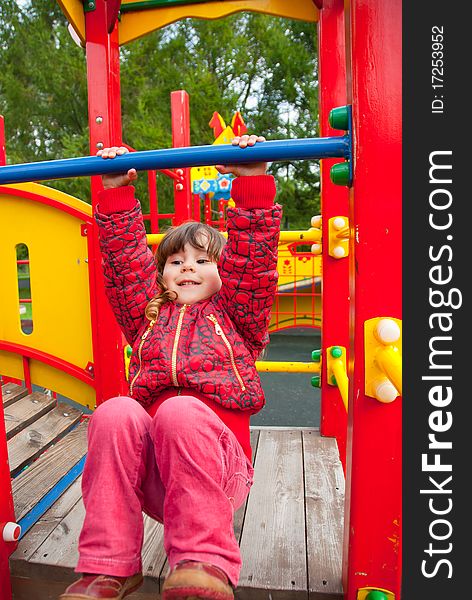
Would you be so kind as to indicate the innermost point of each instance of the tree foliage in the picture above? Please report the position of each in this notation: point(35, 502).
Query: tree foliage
point(263, 66)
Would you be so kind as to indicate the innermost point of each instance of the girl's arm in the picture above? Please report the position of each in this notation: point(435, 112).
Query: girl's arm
point(248, 265)
point(128, 263)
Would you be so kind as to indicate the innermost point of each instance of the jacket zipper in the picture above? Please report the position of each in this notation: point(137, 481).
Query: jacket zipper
point(176, 344)
point(141, 344)
point(221, 333)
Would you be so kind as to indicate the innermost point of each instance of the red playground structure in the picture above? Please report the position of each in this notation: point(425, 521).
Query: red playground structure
point(323, 519)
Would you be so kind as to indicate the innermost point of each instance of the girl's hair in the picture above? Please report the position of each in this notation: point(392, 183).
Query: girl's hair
point(198, 235)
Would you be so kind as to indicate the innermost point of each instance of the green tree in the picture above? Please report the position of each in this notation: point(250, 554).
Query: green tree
point(265, 67)
point(43, 93)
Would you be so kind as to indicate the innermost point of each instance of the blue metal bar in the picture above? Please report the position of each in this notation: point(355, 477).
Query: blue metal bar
point(48, 500)
point(194, 156)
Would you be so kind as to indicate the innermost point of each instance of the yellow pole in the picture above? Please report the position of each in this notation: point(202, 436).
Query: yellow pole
point(390, 362)
point(287, 367)
point(342, 380)
point(310, 236)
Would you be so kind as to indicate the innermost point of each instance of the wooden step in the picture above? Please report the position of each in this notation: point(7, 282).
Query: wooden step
point(27, 410)
point(35, 482)
point(34, 439)
point(11, 392)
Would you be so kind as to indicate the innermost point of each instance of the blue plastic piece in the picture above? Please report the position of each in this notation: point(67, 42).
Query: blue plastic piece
point(193, 156)
point(48, 500)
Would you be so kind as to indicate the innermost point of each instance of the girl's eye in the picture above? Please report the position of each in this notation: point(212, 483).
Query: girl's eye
point(176, 262)
point(202, 261)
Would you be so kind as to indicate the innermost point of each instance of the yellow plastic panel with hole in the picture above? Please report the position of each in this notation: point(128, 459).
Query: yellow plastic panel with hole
point(59, 281)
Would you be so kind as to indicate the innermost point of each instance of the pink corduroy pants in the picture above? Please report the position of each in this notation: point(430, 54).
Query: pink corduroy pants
point(183, 467)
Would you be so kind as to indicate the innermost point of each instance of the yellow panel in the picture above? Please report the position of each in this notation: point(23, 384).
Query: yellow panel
point(11, 365)
point(304, 313)
point(74, 12)
point(70, 387)
point(48, 192)
point(58, 274)
point(139, 23)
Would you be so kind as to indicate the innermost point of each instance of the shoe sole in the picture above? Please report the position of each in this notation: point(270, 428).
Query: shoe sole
point(192, 593)
point(132, 589)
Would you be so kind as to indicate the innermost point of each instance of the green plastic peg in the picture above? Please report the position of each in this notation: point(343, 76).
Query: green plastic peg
point(316, 355)
point(129, 351)
point(316, 381)
point(339, 174)
point(333, 380)
point(376, 595)
point(339, 118)
point(336, 352)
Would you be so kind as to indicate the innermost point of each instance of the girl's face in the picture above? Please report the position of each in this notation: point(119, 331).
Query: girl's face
point(191, 275)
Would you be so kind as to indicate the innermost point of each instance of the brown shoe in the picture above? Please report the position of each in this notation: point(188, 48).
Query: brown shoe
point(196, 580)
point(104, 587)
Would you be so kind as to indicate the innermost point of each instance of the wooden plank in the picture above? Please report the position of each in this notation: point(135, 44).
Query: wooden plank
point(53, 542)
point(273, 545)
point(152, 555)
point(56, 557)
point(324, 501)
point(46, 524)
point(50, 547)
point(34, 588)
point(11, 392)
point(60, 549)
point(239, 514)
point(281, 428)
point(27, 410)
point(34, 439)
point(36, 481)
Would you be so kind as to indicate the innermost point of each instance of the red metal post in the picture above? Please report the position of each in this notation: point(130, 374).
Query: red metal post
point(221, 216)
point(153, 201)
point(180, 110)
point(27, 374)
point(207, 209)
point(196, 207)
point(104, 103)
point(334, 202)
point(7, 512)
point(372, 553)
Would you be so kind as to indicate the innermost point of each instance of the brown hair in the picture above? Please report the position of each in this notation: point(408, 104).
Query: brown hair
point(198, 235)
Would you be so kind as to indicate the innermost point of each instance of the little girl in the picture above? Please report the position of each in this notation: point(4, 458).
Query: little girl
point(178, 447)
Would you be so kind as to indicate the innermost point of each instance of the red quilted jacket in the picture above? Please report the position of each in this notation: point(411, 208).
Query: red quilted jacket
point(210, 346)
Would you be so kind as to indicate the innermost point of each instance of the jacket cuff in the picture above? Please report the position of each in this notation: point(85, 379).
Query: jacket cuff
point(257, 191)
point(116, 200)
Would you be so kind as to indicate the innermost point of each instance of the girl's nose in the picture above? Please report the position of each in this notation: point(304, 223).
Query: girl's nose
point(187, 267)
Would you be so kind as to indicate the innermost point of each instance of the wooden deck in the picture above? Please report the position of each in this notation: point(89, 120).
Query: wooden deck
point(289, 530)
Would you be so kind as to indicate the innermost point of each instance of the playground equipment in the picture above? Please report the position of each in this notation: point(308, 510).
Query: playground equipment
point(361, 288)
point(178, 158)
